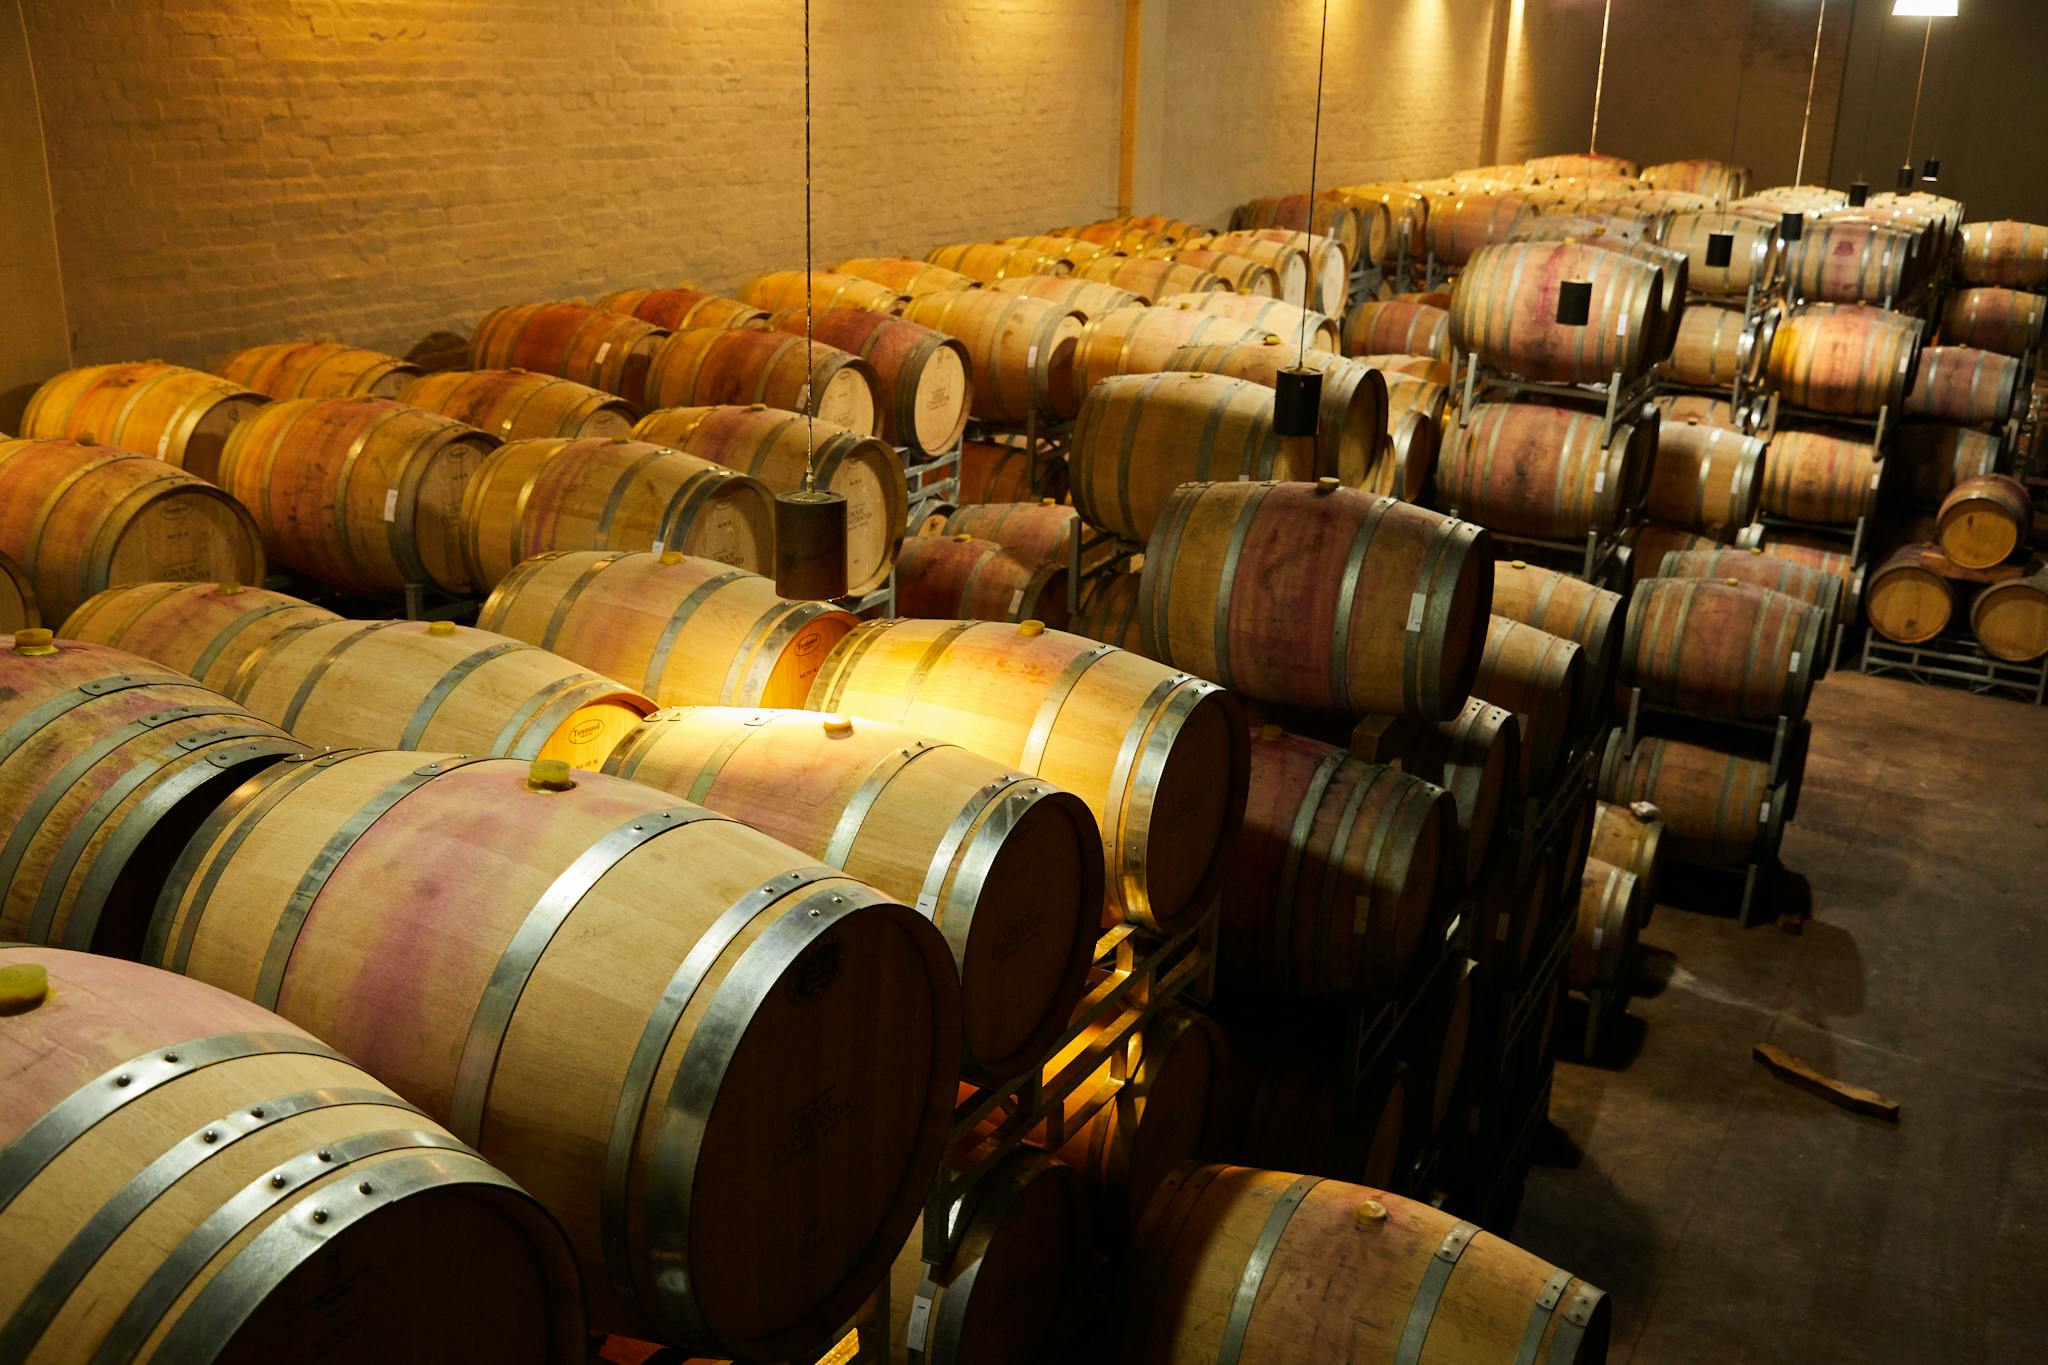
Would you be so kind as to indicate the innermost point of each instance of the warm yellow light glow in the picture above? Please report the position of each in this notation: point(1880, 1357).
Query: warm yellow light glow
point(1923, 9)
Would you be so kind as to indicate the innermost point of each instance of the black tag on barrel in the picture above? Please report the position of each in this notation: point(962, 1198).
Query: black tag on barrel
point(1859, 193)
point(810, 545)
point(1720, 248)
point(1792, 226)
point(1574, 303)
point(1297, 401)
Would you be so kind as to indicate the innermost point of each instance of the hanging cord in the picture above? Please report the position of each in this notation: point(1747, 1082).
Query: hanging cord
point(1735, 124)
point(1913, 127)
point(1806, 119)
point(1599, 80)
point(810, 362)
point(1870, 108)
point(1315, 151)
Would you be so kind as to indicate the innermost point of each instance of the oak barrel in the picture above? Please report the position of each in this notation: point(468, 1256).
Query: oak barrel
point(1286, 1102)
point(317, 369)
point(2006, 253)
point(1983, 520)
point(519, 405)
point(1819, 477)
point(703, 366)
point(1754, 257)
point(905, 276)
point(1408, 469)
point(1395, 327)
point(986, 261)
point(1609, 914)
point(1851, 260)
point(1143, 340)
point(1630, 837)
point(1020, 349)
point(1244, 274)
point(951, 577)
point(1284, 320)
point(205, 630)
point(1040, 532)
point(1718, 809)
point(179, 415)
point(2010, 618)
point(1351, 427)
point(1543, 679)
point(1714, 179)
point(1476, 756)
point(1571, 608)
point(924, 374)
point(1109, 611)
point(17, 598)
point(1460, 225)
point(1705, 478)
point(1151, 278)
point(1002, 471)
point(785, 291)
point(1908, 598)
point(591, 345)
point(1964, 384)
point(1504, 310)
point(1936, 457)
point(1815, 586)
point(1327, 215)
point(1088, 298)
point(1716, 346)
point(1532, 469)
point(1720, 647)
point(1844, 359)
point(676, 309)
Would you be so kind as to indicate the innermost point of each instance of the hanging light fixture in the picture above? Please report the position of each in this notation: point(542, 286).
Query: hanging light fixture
point(1298, 388)
point(1930, 10)
point(1923, 9)
point(1859, 193)
point(1792, 226)
point(1931, 170)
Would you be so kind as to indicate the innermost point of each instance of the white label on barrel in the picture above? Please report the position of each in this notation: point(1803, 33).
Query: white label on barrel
point(1244, 478)
point(1793, 667)
point(1763, 816)
point(1875, 475)
point(914, 1329)
point(1599, 480)
point(1735, 481)
point(1621, 326)
point(163, 443)
point(602, 352)
point(1016, 600)
point(1415, 605)
point(391, 504)
point(1031, 356)
point(1596, 938)
point(658, 548)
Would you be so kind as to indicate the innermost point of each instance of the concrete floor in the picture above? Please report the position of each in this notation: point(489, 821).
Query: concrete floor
point(1734, 1218)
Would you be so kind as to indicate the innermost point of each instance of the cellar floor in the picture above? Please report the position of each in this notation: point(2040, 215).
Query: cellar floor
point(1735, 1218)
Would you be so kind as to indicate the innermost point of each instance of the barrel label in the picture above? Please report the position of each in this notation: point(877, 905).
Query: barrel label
point(812, 1122)
point(586, 730)
point(816, 969)
point(391, 504)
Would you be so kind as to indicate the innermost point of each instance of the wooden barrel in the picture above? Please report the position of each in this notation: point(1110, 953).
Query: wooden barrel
point(1014, 1285)
point(1572, 609)
point(1715, 647)
point(1714, 347)
point(786, 290)
point(1296, 281)
point(17, 599)
point(1705, 478)
point(1813, 476)
point(1504, 310)
point(1244, 274)
point(1542, 679)
point(1286, 1102)
point(1630, 836)
point(2010, 618)
point(1408, 469)
point(1256, 586)
point(519, 405)
point(1159, 757)
point(1557, 223)
point(986, 261)
point(1140, 436)
point(1908, 598)
point(2005, 253)
point(1009, 868)
point(1846, 360)
point(139, 1102)
point(1143, 341)
point(775, 446)
point(1329, 263)
point(2003, 320)
point(204, 630)
point(924, 374)
point(361, 493)
point(1231, 1259)
point(107, 763)
point(1715, 179)
point(692, 967)
point(1334, 878)
point(1351, 427)
point(1604, 936)
point(1649, 542)
point(1672, 276)
point(317, 369)
point(434, 685)
point(1109, 611)
point(591, 345)
point(701, 367)
point(1407, 210)
point(676, 309)
point(1277, 316)
point(180, 416)
point(1395, 327)
point(1532, 469)
point(685, 631)
point(1476, 756)
point(612, 493)
point(1806, 547)
point(1135, 231)
point(1718, 809)
point(1983, 520)
point(1088, 298)
point(1848, 260)
point(78, 518)
point(1698, 407)
point(996, 471)
point(1753, 257)
point(1936, 457)
point(1150, 278)
point(1328, 216)
point(955, 577)
point(1072, 250)
point(1964, 384)
point(1039, 532)
point(1433, 1047)
point(1020, 350)
point(1815, 586)
point(1460, 225)
point(905, 276)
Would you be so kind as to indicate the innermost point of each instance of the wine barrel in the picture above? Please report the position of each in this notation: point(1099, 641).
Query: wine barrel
point(925, 384)
point(685, 631)
point(1407, 210)
point(1334, 878)
point(986, 261)
point(1433, 1047)
point(2004, 253)
point(1804, 547)
point(612, 493)
point(1672, 277)
point(1572, 609)
point(1813, 476)
point(1983, 520)
point(1088, 298)
point(776, 447)
point(1395, 327)
point(1718, 809)
point(1014, 1283)
point(905, 276)
point(998, 471)
point(2002, 320)
point(817, 291)
point(1649, 542)
point(1630, 836)
point(1329, 264)
point(1908, 598)
point(1285, 1103)
point(1964, 384)
point(317, 369)
point(1143, 340)
point(702, 367)
point(1559, 223)
point(1698, 407)
point(1072, 250)
point(1342, 222)
point(1286, 261)
point(1604, 937)
point(597, 346)
point(1009, 868)
point(362, 493)
point(1244, 274)
point(182, 417)
point(955, 577)
point(1109, 611)
point(1231, 1259)
point(1039, 532)
point(2010, 618)
point(1351, 427)
point(1159, 757)
point(1936, 457)
point(676, 309)
point(17, 599)
point(1531, 469)
point(809, 1014)
point(78, 518)
point(1476, 756)
point(1577, 165)
point(1282, 319)
point(1409, 467)
point(1460, 225)
point(1754, 256)
point(1256, 586)
point(107, 762)
point(1716, 346)
point(1140, 436)
point(204, 630)
point(1150, 278)
point(1716, 647)
point(519, 405)
point(1714, 179)
point(1542, 678)
point(1020, 350)
point(1504, 310)
point(1705, 478)
point(139, 1102)
point(1846, 360)
point(1849, 260)
point(1814, 586)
